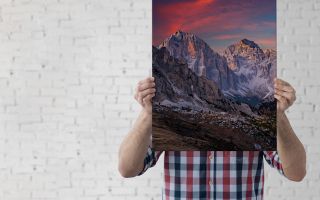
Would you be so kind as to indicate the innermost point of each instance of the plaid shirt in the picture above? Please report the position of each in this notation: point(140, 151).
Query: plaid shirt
point(213, 174)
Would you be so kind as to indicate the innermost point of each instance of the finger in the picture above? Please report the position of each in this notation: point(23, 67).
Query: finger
point(148, 98)
point(286, 93)
point(142, 95)
point(282, 100)
point(281, 82)
point(286, 88)
point(142, 85)
point(146, 92)
point(146, 80)
point(146, 85)
point(289, 96)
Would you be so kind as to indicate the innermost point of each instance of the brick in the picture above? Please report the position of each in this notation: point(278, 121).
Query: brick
point(67, 79)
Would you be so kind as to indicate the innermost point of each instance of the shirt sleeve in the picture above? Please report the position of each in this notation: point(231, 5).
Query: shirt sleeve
point(150, 159)
point(274, 161)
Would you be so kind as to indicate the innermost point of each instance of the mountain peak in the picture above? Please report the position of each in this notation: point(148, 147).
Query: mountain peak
point(179, 34)
point(179, 31)
point(249, 43)
point(246, 49)
point(184, 41)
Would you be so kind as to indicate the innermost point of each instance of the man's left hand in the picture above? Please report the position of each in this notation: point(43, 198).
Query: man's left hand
point(285, 94)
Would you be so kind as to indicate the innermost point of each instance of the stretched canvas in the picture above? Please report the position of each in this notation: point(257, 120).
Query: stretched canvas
point(214, 63)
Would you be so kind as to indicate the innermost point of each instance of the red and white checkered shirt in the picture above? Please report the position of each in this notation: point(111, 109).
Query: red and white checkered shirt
point(213, 174)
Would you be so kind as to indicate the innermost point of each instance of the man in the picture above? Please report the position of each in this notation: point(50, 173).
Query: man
point(212, 174)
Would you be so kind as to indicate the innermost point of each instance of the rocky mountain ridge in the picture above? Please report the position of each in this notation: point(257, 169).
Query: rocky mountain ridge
point(179, 87)
point(243, 72)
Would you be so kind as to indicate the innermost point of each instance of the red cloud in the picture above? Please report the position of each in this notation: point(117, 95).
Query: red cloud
point(178, 15)
point(217, 20)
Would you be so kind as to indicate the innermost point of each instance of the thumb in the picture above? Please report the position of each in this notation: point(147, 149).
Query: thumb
point(147, 99)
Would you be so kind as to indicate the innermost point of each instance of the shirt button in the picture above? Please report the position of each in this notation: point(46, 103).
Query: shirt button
point(210, 182)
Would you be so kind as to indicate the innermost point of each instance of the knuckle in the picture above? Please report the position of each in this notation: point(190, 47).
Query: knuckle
point(150, 84)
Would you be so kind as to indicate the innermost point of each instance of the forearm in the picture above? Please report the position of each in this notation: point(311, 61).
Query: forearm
point(290, 150)
point(134, 147)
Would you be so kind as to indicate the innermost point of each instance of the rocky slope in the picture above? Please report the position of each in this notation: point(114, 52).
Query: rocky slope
point(201, 59)
point(191, 113)
point(244, 72)
point(254, 68)
point(178, 86)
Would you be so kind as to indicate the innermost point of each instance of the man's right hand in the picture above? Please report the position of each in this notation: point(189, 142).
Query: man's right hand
point(134, 147)
point(144, 92)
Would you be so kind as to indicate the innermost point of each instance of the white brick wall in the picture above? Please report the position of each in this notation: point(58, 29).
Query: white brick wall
point(298, 63)
point(68, 69)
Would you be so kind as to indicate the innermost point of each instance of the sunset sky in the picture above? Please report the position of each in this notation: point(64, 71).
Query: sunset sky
point(218, 22)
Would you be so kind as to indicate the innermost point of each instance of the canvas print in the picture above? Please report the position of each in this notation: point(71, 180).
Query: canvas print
point(214, 62)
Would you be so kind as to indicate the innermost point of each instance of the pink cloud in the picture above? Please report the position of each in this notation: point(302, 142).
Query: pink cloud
point(215, 20)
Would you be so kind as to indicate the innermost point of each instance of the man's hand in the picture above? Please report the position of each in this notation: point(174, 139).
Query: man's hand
point(285, 94)
point(145, 90)
point(290, 149)
point(134, 147)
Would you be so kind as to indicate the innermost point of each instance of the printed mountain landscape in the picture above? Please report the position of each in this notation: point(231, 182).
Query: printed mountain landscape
point(213, 101)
